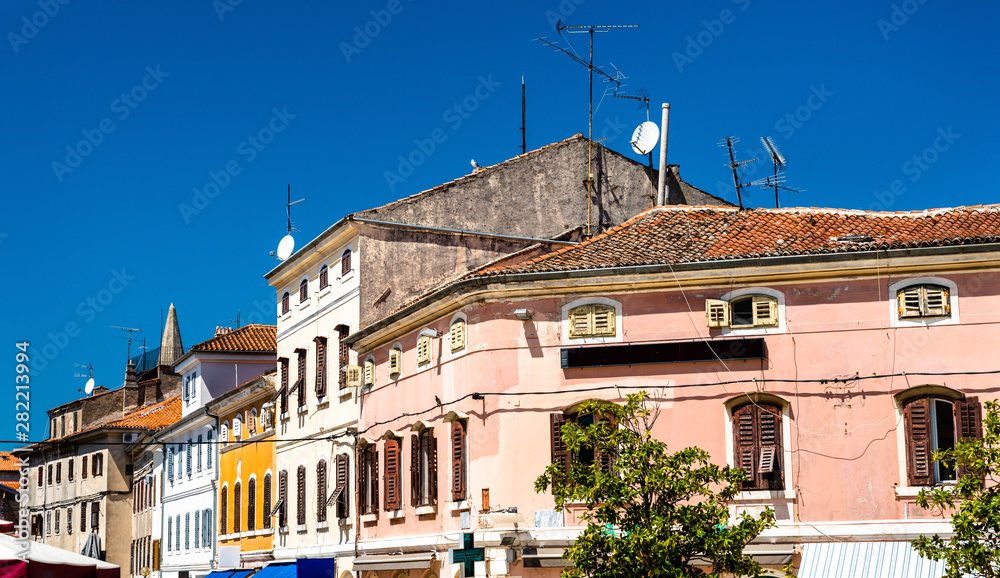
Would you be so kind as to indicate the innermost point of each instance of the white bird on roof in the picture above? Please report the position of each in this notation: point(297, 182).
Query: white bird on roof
point(475, 165)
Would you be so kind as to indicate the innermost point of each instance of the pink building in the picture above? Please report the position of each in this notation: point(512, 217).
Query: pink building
point(828, 352)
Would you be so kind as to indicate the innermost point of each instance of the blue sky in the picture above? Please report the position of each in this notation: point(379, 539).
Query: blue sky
point(148, 146)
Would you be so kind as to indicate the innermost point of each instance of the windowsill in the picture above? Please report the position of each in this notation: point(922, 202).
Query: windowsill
point(285, 314)
point(284, 416)
point(303, 409)
point(304, 304)
point(369, 518)
point(348, 277)
point(345, 522)
point(300, 529)
point(346, 392)
point(324, 290)
point(321, 400)
point(283, 530)
point(462, 506)
point(396, 514)
point(324, 525)
point(913, 491)
point(764, 495)
point(425, 510)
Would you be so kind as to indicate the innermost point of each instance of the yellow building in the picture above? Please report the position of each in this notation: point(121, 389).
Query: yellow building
point(247, 481)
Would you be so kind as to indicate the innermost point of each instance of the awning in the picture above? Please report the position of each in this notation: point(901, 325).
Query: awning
point(866, 560)
point(544, 558)
point(418, 561)
point(315, 568)
point(235, 573)
point(286, 570)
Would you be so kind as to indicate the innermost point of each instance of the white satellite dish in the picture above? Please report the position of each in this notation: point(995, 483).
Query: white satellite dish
point(645, 137)
point(89, 388)
point(286, 247)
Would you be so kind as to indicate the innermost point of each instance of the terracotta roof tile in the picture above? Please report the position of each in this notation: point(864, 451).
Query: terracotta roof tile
point(246, 339)
point(153, 417)
point(671, 235)
point(8, 463)
point(14, 485)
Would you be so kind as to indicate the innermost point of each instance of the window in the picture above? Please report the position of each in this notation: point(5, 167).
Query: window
point(304, 291)
point(560, 451)
point(369, 372)
point(458, 461)
point(223, 436)
point(456, 335)
point(224, 511)
point(197, 530)
point(321, 491)
point(187, 530)
point(252, 505)
point(423, 468)
point(237, 507)
point(283, 499)
point(593, 320)
point(395, 361)
point(300, 512)
point(95, 516)
point(49, 476)
point(188, 458)
point(41, 474)
point(300, 380)
point(320, 366)
point(199, 452)
point(98, 464)
point(937, 423)
point(342, 355)
point(170, 535)
point(324, 277)
point(83, 516)
point(237, 427)
point(252, 421)
point(56, 525)
point(340, 495)
point(266, 504)
point(69, 520)
point(283, 394)
point(187, 388)
point(48, 523)
point(368, 479)
point(83, 468)
point(285, 307)
point(210, 450)
point(69, 469)
point(177, 529)
point(758, 446)
point(393, 475)
point(743, 312)
point(925, 300)
point(206, 527)
point(59, 472)
point(423, 349)
point(345, 263)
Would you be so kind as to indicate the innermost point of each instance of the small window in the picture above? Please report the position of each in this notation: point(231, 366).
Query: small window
point(758, 445)
point(320, 380)
point(343, 355)
point(237, 427)
point(934, 424)
point(743, 312)
point(285, 305)
point(224, 434)
point(559, 449)
point(300, 516)
point(266, 504)
point(321, 505)
point(324, 277)
point(223, 512)
point(423, 468)
point(59, 472)
point(395, 361)
point(459, 460)
point(369, 372)
point(927, 300)
point(283, 393)
point(368, 479)
point(345, 263)
point(423, 349)
point(300, 377)
point(252, 504)
point(340, 495)
point(393, 475)
point(592, 321)
point(457, 335)
point(304, 291)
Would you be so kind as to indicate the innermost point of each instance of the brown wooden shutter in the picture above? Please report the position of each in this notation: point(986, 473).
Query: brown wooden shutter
point(303, 291)
point(237, 508)
point(300, 381)
point(283, 362)
point(320, 366)
point(458, 460)
point(224, 511)
point(968, 423)
point(393, 494)
point(324, 277)
point(251, 505)
point(414, 470)
point(362, 476)
point(266, 505)
point(918, 442)
point(374, 481)
point(284, 303)
point(342, 476)
point(283, 496)
point(606, 460)
point(745, 444)
point(769, 459)
point(300, 511)
point(95, 515)
point(342, 355)
point(321, 491)
point(83, 517)
point(560, 453)
point(432, 466)
point(345, 263)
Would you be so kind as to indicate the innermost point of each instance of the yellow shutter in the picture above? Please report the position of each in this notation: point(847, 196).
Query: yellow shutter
point(717, 313)
point(395, 361)
point(937, 301)
point(369, 372)
point(423, 349)
point(908, 301)
point(580, 321)
point(765, 311)
point(457, 335)
point(353, 376)
point(603, 321)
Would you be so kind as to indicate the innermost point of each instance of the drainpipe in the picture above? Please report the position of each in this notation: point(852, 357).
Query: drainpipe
point(215, 490)
point(661, 191)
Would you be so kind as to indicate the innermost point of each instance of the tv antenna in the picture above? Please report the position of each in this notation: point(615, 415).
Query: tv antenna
point(287, 244)
point(237, 320)
point(590, 91)
point(89, 388)
point(778, 160)
point(734, 164)
point(524, 136)
point(130, 330)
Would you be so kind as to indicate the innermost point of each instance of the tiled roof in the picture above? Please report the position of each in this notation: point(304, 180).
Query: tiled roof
point(8, 463)
point(14, 485)
point(153, 417)
point(246, 339)
point(681, 234)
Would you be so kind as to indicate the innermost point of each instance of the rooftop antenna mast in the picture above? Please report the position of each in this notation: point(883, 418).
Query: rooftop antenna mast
point(777, 181)
point(734, 164)
point(89, 388)
point(524, 141)
point(237, 320)
point(288, 211)
point(130, 330)
point(287, 244)
point(590, 117)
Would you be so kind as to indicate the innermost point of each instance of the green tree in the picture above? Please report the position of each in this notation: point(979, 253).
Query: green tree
point(649, 512)
point(974, 547)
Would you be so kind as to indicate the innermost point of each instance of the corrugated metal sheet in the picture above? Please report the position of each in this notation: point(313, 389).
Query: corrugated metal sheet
point(866, 560)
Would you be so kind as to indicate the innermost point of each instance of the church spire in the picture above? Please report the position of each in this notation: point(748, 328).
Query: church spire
point(171, 348)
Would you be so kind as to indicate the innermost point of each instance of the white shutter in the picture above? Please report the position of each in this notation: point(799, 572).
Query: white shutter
point(580, 321)
point(716, 313)
point(937, 301)
point(423, 349)
point(369, 372)
point(353, 376)
point(395, 361)
point(604, 321)
point(765, 311)
point(457, 335)
point(908, 301)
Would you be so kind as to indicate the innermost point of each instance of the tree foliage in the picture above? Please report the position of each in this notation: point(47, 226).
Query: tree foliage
point(974, 548)
point(648, 512)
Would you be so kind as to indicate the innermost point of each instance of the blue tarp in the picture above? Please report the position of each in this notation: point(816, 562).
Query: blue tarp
point(315, 568)
point(286, 570)
point(237, 573)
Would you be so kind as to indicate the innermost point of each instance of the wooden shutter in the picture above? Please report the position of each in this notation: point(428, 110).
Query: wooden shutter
point(374, 481)
point(83, 517)
point(432, 466)
point(345, 263)
point(908, 302)
point(968, 424)
point(303, 291)
point(457, 334)
point(769, 460)
point(321, 491)
point(458, 468)
point(560, 453)
point(95, 515)
point(283, 362)
point(369, 372)
point(300, 381)
point(716, 313)
point(395, 361)
point(300, 487)
point(324, 277)
point(745, 444)
point(251, 505)
point(917, 415)
point(415, 470)
point(423, 349)
point(580, 321)
point(392, 475)
point(765, 311)
point(224, 511)
point(936, 301)
point(320, 366)
point(285, 308)
point(604, 321)
point(283, 498)
point(362, 481)
point(342, 354)
point(342, 477)
point(266, 505)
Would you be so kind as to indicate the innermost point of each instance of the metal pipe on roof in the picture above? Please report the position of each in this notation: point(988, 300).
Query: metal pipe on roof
point(459, 231)
point(661, 191)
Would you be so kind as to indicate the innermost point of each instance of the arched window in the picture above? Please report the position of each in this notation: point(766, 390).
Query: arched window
point(237, 507)
point(936, 419)
point(251, 504)
point(923, 300)
point(560, 451)
point(423, 468)
point(300, 517)
point(283, 498)
point(324, 277)
point(304, 291)
point(224, 510)
point(345, 263)
point(266, 504)
point(594, 320)
point(456, 334)
point(285, 306)
point(755, 310)
point(224, 435)
point(252, 424)
point(321, 491)
point(758, 445)
point(237, 427)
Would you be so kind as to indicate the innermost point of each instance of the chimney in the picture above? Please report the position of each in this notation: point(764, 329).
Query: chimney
point(222, 330)
point(131, 377)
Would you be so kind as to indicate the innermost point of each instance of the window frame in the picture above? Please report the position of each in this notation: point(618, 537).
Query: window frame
point(324, 276)
point(953, 302)
point(423, 467)
point(567, 334)
point(304, 291)
point(286, 305)
point(966, 417)
point(757, 293)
